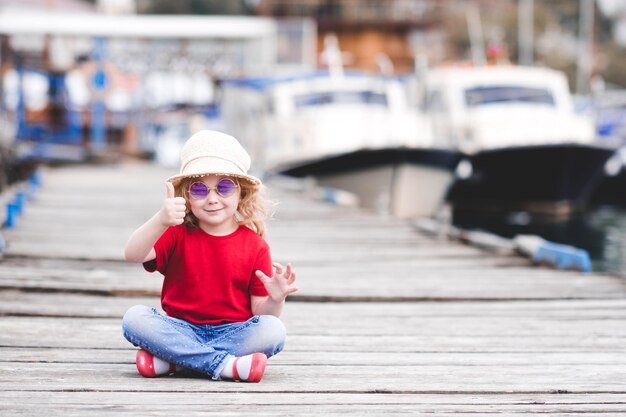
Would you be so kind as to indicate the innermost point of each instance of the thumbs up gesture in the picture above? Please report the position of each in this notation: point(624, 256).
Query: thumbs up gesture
point(173, 210)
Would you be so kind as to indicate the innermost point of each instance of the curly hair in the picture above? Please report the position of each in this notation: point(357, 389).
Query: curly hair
point(252, 210)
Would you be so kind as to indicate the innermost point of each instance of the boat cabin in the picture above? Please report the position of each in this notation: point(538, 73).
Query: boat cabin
point(310, 116)
point(478, 108)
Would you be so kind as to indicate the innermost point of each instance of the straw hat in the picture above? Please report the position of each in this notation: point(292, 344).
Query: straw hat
point(211, 152)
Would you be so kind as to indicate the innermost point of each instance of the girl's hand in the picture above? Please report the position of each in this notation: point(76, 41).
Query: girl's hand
point(281, 284)
point(173, 210)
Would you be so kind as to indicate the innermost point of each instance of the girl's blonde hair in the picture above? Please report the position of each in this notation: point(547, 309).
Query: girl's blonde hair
point(252, 210)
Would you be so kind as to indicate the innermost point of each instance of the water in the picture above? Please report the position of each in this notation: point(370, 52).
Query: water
point(601, 231)
point(611, 255)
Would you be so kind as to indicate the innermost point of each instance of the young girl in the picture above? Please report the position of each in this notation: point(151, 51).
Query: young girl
point(221, 296)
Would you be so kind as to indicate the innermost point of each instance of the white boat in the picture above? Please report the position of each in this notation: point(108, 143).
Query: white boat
point(528, 148)
point(609, 108)
point(351, 131)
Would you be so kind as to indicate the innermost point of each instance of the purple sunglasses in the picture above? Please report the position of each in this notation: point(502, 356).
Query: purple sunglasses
point(225, 188)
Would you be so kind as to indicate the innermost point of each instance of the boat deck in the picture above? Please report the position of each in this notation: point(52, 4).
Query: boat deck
point(387, 320)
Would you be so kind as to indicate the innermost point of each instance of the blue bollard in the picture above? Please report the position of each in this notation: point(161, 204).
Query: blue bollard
point(12, 214)
point(556, 255)
point(20, 200)
point(30, 192)
point(35, 179)
point(563, 256)
point(32, 186)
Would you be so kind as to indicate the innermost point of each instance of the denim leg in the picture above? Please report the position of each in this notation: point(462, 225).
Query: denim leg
point(173, 340)
point(259, 334)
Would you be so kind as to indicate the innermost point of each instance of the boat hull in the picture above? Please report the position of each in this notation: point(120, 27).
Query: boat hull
point(544, 179)
point(403, 182)
point(612, 191)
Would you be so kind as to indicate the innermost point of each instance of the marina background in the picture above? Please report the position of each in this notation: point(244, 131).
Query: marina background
point(393, 135)
point(132, 90)
point(140, 76)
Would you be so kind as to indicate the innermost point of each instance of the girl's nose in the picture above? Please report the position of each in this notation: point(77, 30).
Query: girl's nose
point(212, 196)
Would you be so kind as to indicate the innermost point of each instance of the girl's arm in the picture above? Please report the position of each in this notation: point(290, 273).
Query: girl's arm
point(266, 306)
point(278, 287)
point(140, 245)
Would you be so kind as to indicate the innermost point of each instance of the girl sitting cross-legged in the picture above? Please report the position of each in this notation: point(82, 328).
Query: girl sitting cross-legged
point(221, 295)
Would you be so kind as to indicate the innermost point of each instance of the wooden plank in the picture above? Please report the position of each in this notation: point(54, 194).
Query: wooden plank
point(311, 290)
point(290, 404)
point(14, 302)
point(92, 247)
point(376, 281)
point(340, 379)
point(253, 398)
point(126, 355)
point(33, 229)
point(371, 332)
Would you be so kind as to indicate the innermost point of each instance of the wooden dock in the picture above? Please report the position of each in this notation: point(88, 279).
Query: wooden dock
point(387, 320)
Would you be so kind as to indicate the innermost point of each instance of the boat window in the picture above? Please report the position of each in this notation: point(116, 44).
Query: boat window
point(340, 97)
point(480, 96)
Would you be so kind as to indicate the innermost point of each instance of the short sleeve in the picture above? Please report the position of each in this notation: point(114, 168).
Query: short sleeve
point(264, 264)
point(163, 249)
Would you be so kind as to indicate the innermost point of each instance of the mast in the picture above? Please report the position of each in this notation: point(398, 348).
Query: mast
point(584, 62)
point(526, 32)
point(475, 30)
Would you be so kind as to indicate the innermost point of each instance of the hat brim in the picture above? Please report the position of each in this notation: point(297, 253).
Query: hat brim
point(176, 178)
point(212, 165)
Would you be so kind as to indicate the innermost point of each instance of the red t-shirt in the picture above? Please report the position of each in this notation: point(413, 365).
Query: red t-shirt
point(209, 279)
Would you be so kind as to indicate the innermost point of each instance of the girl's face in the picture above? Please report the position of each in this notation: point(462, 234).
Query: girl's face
point(215, 211)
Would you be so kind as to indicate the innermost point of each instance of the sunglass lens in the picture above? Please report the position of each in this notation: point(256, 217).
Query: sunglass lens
point(226, 187)
point(198, 190)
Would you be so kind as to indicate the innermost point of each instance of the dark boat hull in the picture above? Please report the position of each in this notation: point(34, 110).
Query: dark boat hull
point(611, 191)
point(404, 182)
point(546, 179)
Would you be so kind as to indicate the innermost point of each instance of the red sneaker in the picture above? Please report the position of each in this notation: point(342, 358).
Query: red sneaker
point(150, 366)
point(257, 369)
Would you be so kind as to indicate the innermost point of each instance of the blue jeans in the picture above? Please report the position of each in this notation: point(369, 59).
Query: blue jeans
point(201, 347)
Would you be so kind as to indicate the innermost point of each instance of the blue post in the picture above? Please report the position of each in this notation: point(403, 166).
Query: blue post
point(98, 110)
point(20, 200)
point(35, 179)
point(3, 244)
point(20, 111)
point(98, 130)
point(12, 213)
point(32, 186)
